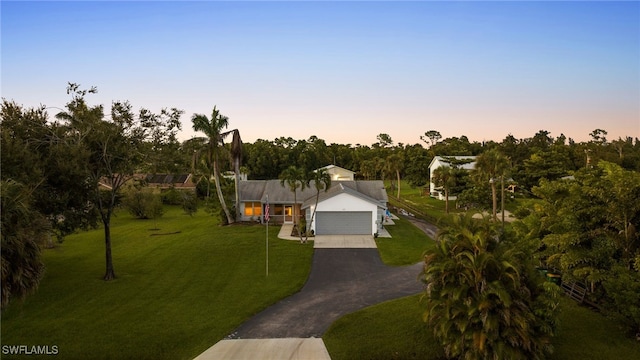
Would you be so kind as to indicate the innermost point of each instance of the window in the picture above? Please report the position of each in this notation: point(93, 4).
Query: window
point(252, 209)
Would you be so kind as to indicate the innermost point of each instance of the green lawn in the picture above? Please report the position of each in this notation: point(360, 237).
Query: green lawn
point(394, 330)
point(406, 245)
point(175, 295)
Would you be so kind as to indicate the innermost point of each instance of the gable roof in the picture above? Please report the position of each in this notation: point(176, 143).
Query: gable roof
point(257, 190)
point(341, 189)
point(335, 167)
point(443, 160)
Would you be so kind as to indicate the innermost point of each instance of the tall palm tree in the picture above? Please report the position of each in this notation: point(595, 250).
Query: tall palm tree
point(445, 177)
point(492, 165)
point(394, 165)
point(236, 158)
point(212, 128)
point(322, 181)
point(295, 178)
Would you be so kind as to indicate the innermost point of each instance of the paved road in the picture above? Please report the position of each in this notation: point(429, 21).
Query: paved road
point(341, 281)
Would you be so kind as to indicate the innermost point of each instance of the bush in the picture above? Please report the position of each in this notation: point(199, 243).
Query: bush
point(143, 204)
point(623, 288)
point(172, 197)
point(189, 202)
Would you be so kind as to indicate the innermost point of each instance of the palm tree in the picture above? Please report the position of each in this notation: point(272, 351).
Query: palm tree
point(394, 165)
point(322, 181)
point(492, 165)
point(236, 158)
point(484, 299)
point(294, 177)
point(445, 177)
point(212, 128)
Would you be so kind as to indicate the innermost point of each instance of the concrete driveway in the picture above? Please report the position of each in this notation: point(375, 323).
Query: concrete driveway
point(344, 242)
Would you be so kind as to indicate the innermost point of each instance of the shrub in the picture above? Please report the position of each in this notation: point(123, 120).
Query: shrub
point(143, 204)
point(172, 197)
point(189, 202)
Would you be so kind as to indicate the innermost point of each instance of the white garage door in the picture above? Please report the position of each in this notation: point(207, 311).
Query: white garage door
point(343, 223)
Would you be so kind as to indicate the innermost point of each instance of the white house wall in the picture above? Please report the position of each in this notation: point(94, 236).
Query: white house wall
point(346, 202)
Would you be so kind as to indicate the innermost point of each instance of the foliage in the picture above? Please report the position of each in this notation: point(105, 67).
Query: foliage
point(444, 178)
point(391, 330)
point(189, 202)
point(492, 166)
point(172, 196)
point(113, 148)
point(212, 128)
point(588, 229)
point(143, 203)
point(622, 287)
point(484, 298)
point(322, 181)
point(23, 229)
point(40, 156)
point(295, 177)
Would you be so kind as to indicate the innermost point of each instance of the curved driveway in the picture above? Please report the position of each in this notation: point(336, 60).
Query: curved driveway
point(341, 281)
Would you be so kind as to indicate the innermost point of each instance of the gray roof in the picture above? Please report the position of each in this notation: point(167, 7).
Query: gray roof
point(343, 188)
point(257, 190)
point(468, 166)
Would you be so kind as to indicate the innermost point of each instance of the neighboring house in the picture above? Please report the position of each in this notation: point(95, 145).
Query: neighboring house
point(346, 208)
point(159, 181)
point(339, 174)
point(168, 181)
point(439, 161)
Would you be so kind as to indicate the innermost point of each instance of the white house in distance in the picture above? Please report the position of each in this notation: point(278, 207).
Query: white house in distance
point(348, 207)
point(439, 161)
point(339, 174)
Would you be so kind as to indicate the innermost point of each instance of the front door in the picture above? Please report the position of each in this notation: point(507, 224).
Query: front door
point(288, 214)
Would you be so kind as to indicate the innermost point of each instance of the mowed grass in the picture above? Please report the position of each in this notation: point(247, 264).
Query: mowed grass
point(391, 330)
point(406, 245)
point(395, 330)
point(175, 295)
point(418, 199)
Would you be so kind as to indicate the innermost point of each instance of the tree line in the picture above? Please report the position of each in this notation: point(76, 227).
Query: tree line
point(67, 173)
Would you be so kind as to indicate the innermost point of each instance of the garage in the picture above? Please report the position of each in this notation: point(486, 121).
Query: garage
point(343, 222)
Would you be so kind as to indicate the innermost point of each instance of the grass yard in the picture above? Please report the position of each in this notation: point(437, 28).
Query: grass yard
point(176, 293)
point(406, 246)
point(394, 330)
point(391, 330)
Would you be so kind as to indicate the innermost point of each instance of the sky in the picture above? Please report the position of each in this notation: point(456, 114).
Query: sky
point(342, 71)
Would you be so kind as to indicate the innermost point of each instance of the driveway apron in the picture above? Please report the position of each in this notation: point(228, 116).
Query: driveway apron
point(341, 281)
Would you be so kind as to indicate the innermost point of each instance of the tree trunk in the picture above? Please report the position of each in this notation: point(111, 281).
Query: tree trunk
point(313, 214)
point(398, 173)
point(495, 200)
point(216, 176)
point(236, 165)
point(109, 274)
point(446, 200)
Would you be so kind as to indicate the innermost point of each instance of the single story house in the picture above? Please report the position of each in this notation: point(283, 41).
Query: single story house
point(169, 181)
point(445, 161)
point(159, 181)
point(346, 208)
